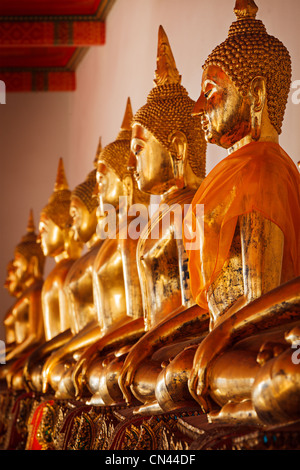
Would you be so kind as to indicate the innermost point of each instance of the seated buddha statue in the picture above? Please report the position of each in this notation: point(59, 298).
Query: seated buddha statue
point(57, 241)
point(245, 269)
point(97, 366)
point(78, 284)
point(168, 156)
point(25, 319)
point(14, 288)
point(108, 279)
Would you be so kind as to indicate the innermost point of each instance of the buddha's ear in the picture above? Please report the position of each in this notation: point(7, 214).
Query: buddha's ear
point(178, 150)
point(258, 96)
point(33, 266)
point(178, 143)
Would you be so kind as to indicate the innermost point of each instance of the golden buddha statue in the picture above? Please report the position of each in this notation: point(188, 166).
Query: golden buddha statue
point(246, 267)
point(15, 289)
point(108, 279)
point(57, 241)
point(98, 365)
point(169, 160)
point(79, 284)
point(26, 318)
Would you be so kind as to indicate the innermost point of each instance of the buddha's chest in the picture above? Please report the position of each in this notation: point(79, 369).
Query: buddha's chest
point(21, 314)
point(163, 269)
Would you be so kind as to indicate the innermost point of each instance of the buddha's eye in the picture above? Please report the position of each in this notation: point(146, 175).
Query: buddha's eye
point(137, 149)
point(210, 92)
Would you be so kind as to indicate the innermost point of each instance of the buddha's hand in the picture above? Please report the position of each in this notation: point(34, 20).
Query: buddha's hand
point(48, 367)
point(136, 356)
point(27, 371)
point(80, 371)
point(79, 376)
point(207, 352)
point(83, 364)
point(9, 377)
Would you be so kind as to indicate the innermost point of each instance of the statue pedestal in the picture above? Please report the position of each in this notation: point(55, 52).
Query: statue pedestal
point(36, 423)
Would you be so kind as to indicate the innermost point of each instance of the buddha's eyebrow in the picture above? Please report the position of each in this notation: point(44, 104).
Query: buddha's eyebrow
point(136, 141)
point(208, 81)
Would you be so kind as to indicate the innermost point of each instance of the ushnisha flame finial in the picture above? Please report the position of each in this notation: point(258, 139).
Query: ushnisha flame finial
point(245, 9)
point(30, 223)
point(30, 231)
point(117, 153)
point(58, 207)
point(125, 129)
point(166, 71)
point(61, 180)
point(126, 124)
point(99, 149)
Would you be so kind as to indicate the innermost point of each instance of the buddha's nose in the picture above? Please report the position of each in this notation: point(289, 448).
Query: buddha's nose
point(199, 106)
point(131, 164)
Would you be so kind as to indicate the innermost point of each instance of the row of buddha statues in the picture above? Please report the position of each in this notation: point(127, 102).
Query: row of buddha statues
point(154, 321)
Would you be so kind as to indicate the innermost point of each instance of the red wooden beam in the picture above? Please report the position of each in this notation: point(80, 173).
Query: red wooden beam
point(48, 7)
point(39, 81)
point(49, 33)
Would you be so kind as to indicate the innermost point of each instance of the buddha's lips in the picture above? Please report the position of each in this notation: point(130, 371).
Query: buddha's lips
point(204, 123)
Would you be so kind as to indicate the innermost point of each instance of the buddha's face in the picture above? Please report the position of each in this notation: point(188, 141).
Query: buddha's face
point(20, 269)
point(11, 281)
point(51, 237)
point(225, 113)
point(151, 162)
point(110, 187)
point(84, 223)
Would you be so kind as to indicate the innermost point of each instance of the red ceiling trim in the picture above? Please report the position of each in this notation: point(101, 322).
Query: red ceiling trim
point(61, 81)
point(39, 81)
point(49, 33)
point(22, 8)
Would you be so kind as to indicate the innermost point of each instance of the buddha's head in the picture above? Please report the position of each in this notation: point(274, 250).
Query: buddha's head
point(245, 83)
point(112, 166)
point(167, 141)
point(55, 219)
point(83, 209)
point(29, 260)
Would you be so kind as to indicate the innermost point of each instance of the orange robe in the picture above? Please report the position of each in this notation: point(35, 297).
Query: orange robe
point(258, 177)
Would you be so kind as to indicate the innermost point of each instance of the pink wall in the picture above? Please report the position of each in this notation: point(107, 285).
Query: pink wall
point(37, 128)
